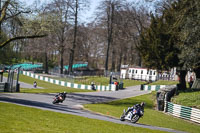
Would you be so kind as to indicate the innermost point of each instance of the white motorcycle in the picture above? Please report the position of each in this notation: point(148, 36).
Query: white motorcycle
point(133, 114)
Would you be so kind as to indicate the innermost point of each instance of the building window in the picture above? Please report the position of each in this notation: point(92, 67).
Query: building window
point(136, 71)
point(133, 71)
point(141, 71)
point(129, 71)
point(150, 72)
point(154, 73)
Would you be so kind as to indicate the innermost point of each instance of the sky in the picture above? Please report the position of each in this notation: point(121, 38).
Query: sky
point(86, 16)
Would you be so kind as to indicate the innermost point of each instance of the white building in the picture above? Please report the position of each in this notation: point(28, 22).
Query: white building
point(139, 74)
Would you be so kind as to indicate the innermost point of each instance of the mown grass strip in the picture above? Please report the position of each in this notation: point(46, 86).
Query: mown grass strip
point(20, 119)
point(164, 82)
point(190, 98)
point(151, 116)
point(48, 87)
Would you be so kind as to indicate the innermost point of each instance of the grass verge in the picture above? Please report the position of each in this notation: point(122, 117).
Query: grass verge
point(151, 116)
point(53, 88)
point(20, 119)
point(103, 81)
point(48, 87)
point(189, 98)
point(164, 82)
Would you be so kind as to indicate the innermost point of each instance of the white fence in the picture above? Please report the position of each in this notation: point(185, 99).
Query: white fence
point(110, 87)
point(184, 112)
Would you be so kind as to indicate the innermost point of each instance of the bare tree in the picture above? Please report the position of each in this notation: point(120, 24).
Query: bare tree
point(76, 7)
point(60, 13)
point(8, 11)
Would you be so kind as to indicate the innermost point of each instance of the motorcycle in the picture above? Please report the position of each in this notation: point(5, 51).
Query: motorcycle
point(59, 98)
point(133, 114)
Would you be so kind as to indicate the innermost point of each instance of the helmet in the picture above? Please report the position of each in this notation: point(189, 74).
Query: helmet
point(142, 104)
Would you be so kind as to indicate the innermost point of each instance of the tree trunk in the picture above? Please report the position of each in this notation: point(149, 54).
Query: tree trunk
point(71, 60)
point(120, 62)
point(110, 32)
point(46, 62)
point(125, 58)
point(61, 62)
point(139, 61)
point(197, 72)
point(113, 60)
point(182, 79)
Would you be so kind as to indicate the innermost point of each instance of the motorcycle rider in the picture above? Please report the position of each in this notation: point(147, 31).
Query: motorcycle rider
point(63, 95)
point(136, 106)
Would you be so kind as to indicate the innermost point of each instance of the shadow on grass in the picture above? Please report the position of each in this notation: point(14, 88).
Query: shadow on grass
point(39, 104)
point(189, 90)
point(132, 101)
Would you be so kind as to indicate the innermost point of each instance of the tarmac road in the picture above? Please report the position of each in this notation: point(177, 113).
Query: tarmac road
point(73, 103)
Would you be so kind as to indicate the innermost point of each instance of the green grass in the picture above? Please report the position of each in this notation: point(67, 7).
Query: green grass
point(128, 82)
point(190, 98)
point(100, 81)
point(48, 87)
point(20, 119)
point(151, 116)
point(85, 80)
point(164, 82)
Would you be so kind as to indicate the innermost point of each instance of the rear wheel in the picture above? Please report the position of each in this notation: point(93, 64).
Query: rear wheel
point(135, 118)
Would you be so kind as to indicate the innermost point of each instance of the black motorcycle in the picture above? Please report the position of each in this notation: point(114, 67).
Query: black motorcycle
point(133, 114)
point(59, 98)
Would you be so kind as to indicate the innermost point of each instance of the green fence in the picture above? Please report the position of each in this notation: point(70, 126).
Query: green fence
point(183, 112)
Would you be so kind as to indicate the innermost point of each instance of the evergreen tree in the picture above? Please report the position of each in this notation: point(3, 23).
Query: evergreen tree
point(172, 40)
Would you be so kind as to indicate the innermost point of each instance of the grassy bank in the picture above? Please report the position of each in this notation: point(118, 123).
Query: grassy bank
point(20, 119)
point(151, 116)
point(164, 82)
point(99, 80)
point(48, 87)
point(189, 98)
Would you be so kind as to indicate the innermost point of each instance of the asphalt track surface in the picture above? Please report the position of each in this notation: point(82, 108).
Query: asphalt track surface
point(73, 104)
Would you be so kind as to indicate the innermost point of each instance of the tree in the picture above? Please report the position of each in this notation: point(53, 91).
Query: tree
point(76, 7)
point(59, 13)
point(106, 16)
point(171, 41)
point(71, 58)
point(188, 22)
point(8, 13)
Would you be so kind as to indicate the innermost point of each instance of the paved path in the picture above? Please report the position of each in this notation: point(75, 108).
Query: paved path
point(73, 103)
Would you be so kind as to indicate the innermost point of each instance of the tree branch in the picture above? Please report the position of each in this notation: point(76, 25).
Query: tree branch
point(3, 11)
point(18, 38)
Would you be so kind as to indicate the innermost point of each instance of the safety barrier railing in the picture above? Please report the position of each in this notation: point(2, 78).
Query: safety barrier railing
point(188, 113)
point(110, 87)
point(151, 87)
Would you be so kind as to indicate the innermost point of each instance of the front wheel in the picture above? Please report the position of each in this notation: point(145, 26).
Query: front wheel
point(135, 118)
point(55, 101)
point(122, 118)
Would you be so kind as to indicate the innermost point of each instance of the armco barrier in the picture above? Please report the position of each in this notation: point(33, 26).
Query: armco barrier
point(184, 112)
point(110, 87)
point(152, 87)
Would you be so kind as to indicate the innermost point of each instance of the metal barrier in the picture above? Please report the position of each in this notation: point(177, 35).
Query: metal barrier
point(2, 87)
point(183, 112)
point(110, 87)
point(151, 87)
